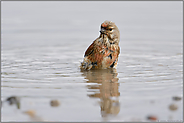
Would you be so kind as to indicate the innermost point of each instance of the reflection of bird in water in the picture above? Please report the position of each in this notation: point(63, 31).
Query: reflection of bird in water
point(107, 84)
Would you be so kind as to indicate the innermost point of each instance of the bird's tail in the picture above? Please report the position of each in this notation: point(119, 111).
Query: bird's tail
point(86, 64)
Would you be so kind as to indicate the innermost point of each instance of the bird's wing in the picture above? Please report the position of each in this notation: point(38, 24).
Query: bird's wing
point(90, 50)
point(112, 55)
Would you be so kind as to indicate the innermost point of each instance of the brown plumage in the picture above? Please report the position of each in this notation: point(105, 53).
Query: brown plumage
point(103, 52)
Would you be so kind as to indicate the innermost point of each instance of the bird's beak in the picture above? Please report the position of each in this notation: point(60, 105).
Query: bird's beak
point(102, 31)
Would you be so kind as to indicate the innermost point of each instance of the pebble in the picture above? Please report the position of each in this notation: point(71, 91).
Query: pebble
point(14, 100)
point(151, 117)
point(30, 112)
point(176, 98)
point(173, 107)
point(54, 103)
point(33, 116)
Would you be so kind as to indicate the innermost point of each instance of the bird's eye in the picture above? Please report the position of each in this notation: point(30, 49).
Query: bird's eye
point(110, 29)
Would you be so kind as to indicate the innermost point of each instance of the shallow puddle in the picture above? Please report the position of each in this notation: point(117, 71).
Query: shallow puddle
point(41, 59)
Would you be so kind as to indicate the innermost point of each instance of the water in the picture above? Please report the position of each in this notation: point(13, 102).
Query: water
point(43, 44)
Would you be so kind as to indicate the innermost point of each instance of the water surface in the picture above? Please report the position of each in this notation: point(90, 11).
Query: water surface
point(43, 44)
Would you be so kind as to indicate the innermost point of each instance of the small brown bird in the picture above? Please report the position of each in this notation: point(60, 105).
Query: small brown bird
point(103, 52)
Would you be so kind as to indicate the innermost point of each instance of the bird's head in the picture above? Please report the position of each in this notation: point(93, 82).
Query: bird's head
point(111, 30)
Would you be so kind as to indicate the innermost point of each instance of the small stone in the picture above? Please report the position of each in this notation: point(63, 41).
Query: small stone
point(176, 98)
point(14, 100)
point(173, 107)
point(151, 117)
point(30, 113)
point(54, 103)
point(33, 116)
